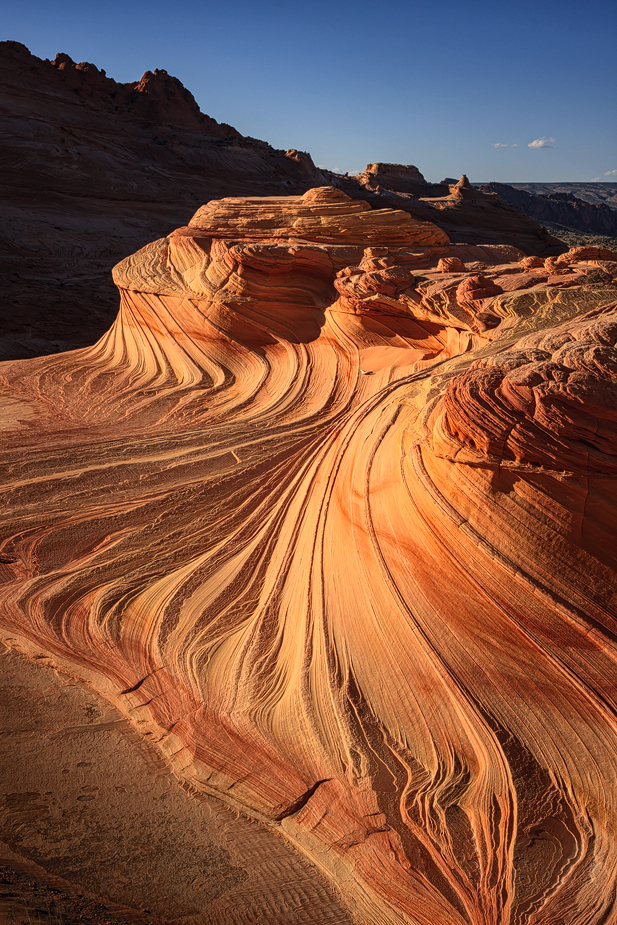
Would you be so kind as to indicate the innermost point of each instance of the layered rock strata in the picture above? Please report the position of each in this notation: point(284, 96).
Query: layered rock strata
point(93, 169)
point(328, 513)
point(466, 214)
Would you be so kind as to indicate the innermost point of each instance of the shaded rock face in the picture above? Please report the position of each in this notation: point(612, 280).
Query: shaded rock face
point(559, 209)
point(157, 97)
point(331, 519)
point(93, 169)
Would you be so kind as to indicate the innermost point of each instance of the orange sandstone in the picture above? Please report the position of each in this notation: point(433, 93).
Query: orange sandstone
point(335, 529)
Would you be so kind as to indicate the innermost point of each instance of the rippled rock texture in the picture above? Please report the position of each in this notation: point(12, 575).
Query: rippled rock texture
point(329, 513)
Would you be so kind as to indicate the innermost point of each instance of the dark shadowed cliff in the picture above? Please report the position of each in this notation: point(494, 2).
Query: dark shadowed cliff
point(93, 169)
point(559, 208)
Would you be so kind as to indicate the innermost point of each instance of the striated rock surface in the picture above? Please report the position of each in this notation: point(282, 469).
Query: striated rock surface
point(333, 526)
point(93, 169)
point(88, 805)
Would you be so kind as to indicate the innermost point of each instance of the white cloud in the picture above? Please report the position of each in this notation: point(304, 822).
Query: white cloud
point(611, 173)
point(595, 179)
point(500, 144)
point(542, 143)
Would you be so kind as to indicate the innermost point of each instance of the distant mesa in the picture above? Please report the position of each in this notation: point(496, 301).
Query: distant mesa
point(560, 208)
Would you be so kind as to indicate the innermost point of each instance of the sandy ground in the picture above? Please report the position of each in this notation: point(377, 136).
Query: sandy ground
point(95, 829)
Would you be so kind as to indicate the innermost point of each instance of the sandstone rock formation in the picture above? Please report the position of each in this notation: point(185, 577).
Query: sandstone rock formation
point(465, 213)
point(93, 169)
point(340, 542)
point(399, 178)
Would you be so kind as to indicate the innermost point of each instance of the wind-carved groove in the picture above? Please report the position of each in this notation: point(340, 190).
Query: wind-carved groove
point(289, 809)
point(131, 690)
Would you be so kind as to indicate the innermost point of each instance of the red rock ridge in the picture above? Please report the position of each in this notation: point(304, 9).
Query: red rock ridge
point(157, 97)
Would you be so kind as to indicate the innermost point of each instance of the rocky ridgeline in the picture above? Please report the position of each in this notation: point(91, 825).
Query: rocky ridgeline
point(157, 97)
point(93, 169)
point(559, 209)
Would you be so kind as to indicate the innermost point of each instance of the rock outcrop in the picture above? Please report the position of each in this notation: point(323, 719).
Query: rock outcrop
point(399, 178)
point(93, 169)
point(334, 527)
point(466, 214)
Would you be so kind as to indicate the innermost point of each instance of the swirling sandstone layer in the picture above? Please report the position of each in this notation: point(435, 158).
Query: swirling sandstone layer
point(329, 513)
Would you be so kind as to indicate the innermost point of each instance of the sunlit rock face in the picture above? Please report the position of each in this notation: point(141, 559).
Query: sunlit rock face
point(330, 514)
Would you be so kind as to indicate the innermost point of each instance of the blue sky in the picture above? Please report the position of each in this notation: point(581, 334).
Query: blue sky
point(452, 88)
